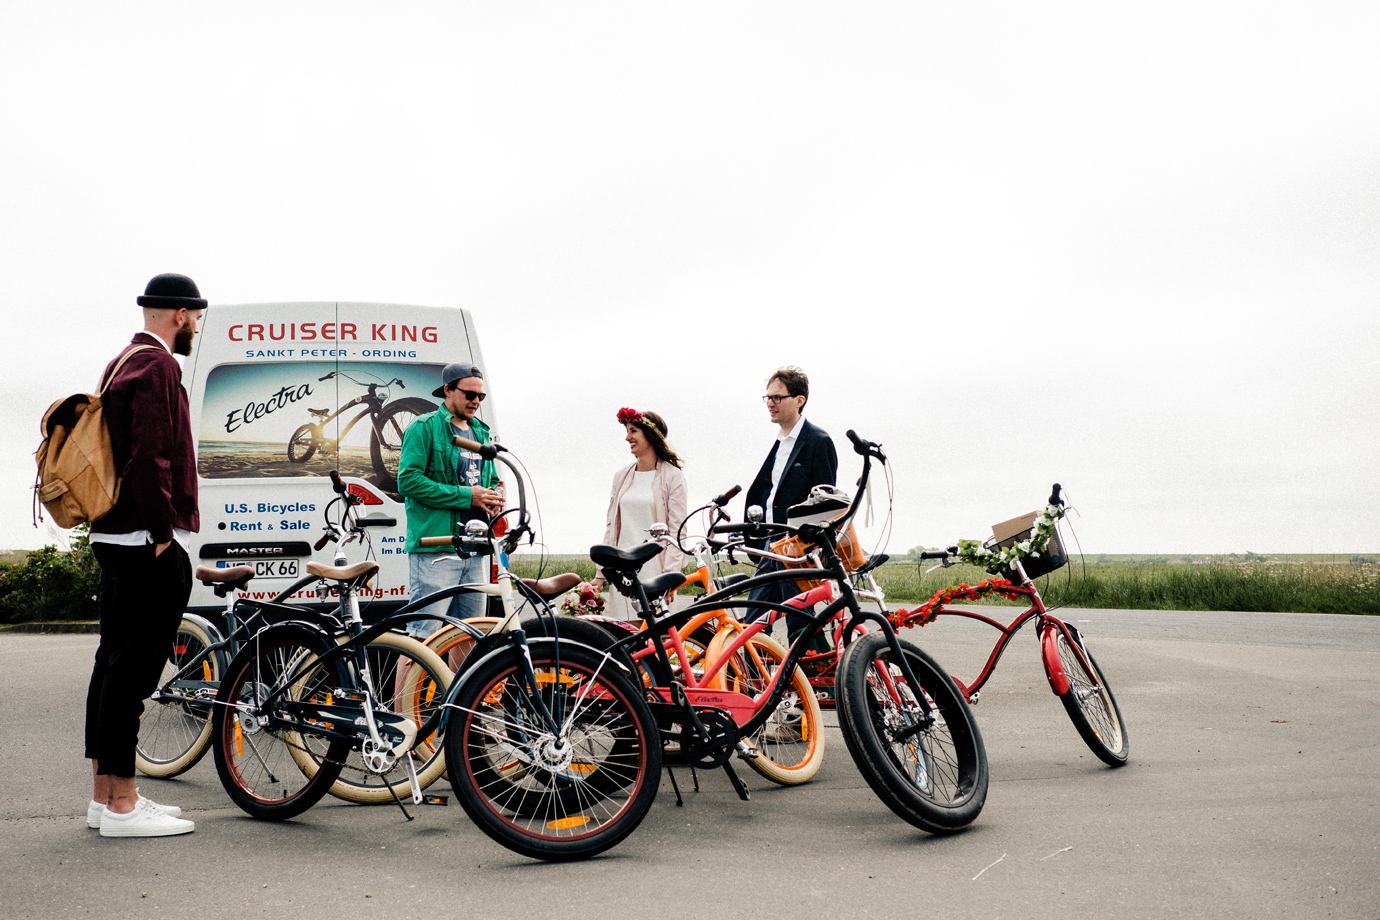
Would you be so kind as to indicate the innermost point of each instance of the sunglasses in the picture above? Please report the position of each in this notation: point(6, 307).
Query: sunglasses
point(470, 395)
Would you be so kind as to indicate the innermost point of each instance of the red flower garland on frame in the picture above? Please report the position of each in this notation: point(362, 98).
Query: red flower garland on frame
point(929, 611)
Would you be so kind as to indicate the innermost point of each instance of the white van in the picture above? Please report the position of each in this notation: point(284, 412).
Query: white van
point(283, 393)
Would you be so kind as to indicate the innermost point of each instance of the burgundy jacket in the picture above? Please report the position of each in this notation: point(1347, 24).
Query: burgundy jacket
point(150, 428)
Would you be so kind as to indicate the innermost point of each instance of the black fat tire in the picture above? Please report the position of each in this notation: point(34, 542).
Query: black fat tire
point(385, 438)
point(1091, 706)
point(256, 766)
point(597, 801)
point(302, 444)
point(174, 736)
point(951, 786)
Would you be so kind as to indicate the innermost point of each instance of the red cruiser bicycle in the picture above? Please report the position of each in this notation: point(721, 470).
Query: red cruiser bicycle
point(1073, 673)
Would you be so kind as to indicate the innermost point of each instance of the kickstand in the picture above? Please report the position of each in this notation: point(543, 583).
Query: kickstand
point(680, 803)
point(696, 777)
point(389, 787)
point(737, 783)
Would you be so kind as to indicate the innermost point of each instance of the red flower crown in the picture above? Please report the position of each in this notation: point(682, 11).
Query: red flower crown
point(633, 417)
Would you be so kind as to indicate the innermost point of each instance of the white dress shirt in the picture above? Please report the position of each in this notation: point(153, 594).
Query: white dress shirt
point(785, 443)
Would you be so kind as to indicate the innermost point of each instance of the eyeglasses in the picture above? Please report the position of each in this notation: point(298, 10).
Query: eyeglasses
point(470, 395)
point(775, 400)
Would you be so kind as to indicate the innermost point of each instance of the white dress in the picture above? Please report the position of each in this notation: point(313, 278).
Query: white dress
point(635, 519)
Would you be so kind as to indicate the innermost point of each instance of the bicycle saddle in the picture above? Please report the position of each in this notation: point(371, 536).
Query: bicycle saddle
point(662, 584)
point(625, 561)
point(359, 571)
point(554, 586)
point(320, 412)
point(224, 580)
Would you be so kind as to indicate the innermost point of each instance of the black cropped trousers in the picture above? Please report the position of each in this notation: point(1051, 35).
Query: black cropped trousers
point(142, 599)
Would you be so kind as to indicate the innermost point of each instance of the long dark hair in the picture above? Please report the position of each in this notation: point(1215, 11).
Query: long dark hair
point(663, 450)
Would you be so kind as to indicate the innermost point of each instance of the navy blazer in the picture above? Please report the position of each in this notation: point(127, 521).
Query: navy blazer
point(813, 461)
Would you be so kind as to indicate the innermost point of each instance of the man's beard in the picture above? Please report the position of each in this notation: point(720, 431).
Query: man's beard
point(182, 340)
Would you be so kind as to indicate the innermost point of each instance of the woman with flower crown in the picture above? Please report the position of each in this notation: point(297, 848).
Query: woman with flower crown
point(650, 491)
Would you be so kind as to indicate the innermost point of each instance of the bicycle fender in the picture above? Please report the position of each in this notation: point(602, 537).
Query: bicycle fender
point(1054, 668)
point(222, 658)
point(469, 669)
point(207, 625)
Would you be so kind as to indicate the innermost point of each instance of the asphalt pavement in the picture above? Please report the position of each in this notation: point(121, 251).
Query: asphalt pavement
point(1253, 790)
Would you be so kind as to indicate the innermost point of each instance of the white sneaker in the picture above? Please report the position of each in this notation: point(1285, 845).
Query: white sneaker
point(96, 809)
point(144, 821)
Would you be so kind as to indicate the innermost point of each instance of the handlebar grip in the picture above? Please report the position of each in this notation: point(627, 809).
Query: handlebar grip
point(1054, 498)
point(325, 538)
point(487, 451)
point(436, 541)
point(327, 377)
point(937, 554)
point(401, 385)
point(727, 528)
point(336, 483)
point(727, 496)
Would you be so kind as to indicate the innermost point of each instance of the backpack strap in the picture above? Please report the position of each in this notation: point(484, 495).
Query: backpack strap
point(119, 364)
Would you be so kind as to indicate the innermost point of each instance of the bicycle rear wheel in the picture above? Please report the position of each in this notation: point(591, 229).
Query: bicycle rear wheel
point(790, 744)
point(411, 681)
point(174, 733)
point(254, 747)
point(548, 796)
point(385, 438)
point(934, 777)
point(1091, 706)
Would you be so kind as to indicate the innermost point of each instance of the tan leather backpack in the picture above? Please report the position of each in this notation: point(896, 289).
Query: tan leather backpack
point(77, 481)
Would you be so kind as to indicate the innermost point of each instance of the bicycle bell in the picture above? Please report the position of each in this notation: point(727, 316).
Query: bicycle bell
point(754, 514)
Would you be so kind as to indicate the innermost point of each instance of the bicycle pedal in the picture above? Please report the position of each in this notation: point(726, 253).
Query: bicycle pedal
point(354, 696)
point(435, 800)
point(746, 751)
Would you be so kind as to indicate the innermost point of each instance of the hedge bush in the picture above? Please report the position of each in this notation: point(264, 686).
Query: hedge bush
point(51, 585)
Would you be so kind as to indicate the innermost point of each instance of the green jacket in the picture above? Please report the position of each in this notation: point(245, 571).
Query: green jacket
point(428, 482)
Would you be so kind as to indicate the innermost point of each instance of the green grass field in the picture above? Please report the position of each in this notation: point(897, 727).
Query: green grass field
point(1272, 586)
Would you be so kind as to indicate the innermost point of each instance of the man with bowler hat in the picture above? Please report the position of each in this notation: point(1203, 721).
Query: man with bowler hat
point(444, 487)
point(141, 546)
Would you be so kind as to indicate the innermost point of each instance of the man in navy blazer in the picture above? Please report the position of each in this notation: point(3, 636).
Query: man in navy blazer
point(802, 458)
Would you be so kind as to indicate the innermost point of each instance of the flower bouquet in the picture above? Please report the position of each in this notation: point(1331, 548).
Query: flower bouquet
point(583, 601)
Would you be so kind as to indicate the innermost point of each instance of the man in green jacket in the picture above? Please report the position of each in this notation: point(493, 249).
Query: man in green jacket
point(444, 488)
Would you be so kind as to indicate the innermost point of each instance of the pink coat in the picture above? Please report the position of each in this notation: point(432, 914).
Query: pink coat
point(668, 507)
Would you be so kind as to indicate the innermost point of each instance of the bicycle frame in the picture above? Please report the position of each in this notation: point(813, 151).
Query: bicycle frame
point(1048, 627)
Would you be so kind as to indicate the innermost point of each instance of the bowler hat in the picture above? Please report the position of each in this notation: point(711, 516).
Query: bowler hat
point(172, 292)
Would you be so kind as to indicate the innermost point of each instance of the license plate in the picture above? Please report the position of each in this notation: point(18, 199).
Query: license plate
point(268, 568)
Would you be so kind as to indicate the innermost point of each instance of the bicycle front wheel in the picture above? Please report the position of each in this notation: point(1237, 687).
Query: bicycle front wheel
point(302, 444)
point(1091, 706)
point(175, 731)
point(410, 680)
point(931, 770)
point(553, 795)
point(254, 744)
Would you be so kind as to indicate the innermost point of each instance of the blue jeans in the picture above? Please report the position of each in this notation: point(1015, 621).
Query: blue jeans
point(429, 572)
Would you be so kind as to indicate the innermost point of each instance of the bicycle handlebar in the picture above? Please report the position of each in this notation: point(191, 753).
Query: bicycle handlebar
point(487, 451)
point(865, 448)
point(1054, 498)
point(727, 496)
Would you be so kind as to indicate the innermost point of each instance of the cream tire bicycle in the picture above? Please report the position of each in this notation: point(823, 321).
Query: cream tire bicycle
point(415, 693)
point(790, 745)
point(174, 736)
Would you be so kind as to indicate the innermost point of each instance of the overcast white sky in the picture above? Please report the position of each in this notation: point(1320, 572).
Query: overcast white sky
point(1129, 247)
